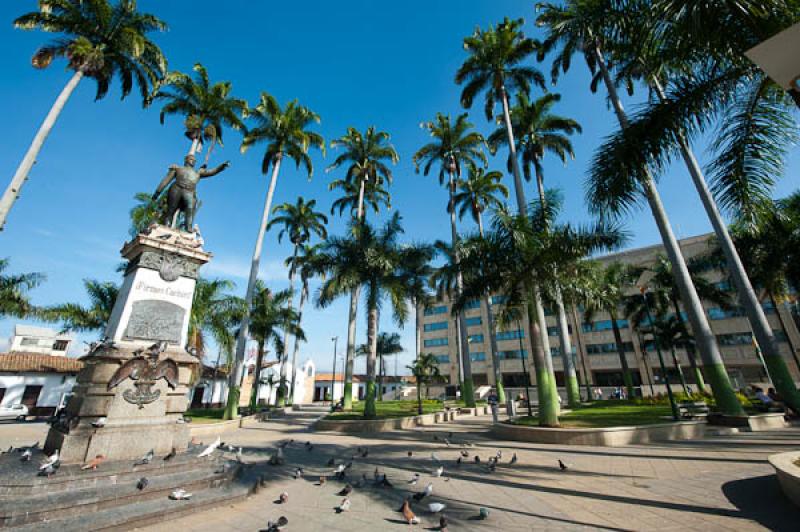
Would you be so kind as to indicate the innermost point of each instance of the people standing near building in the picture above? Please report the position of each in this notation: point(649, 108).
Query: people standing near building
point(492, 400)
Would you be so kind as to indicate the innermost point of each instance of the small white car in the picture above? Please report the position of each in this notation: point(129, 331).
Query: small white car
point(17, 412)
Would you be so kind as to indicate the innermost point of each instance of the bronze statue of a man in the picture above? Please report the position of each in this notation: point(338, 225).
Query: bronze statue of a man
point(182, 195)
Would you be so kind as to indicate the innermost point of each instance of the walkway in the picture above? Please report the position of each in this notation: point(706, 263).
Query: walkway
point(722, 483)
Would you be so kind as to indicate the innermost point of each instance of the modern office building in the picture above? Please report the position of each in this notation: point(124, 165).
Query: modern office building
point(594, 350)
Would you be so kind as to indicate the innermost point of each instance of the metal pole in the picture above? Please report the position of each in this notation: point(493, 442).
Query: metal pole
point(525, 370)
point(675, 413)
point(333, 380)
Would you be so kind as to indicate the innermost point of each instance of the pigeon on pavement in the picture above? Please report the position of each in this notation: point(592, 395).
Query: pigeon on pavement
point(345, 491)
point(146, 458)
point(26, 455)
point(483, 513)
point(277, 525)
point(408, 515)
point(48, 470)
point(513, 459)
point(210, 449)
point(142, 484)
point(439, 471)
point(562, 465)
point(180, 494)
point(331, 462)
point(298, 473)
point(283, 498)
point(51, 461)
point(436, 507)
point(414, 479)
point(99, 423)
point(344, 506)
point(171, 454)
point(443, 523)
point(94, 462)
point(424, 493)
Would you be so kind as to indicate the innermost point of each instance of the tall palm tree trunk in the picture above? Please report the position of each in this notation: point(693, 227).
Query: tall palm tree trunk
point(587, 378)
point(21, 175)
point(468, 388)
point(546, 388)
point(570, 376)
point(347, 395)
point(627, 378)
point(792, 347)
point(282, 390)
point(765, 337)
point(303, 296)
point(498, 375)
point(241, 341)
point(370, 409)
point(679, 369)
point(726, 400)
point(380, 379)
point(257, 378)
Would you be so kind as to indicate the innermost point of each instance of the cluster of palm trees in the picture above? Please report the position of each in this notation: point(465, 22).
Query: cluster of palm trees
point(697, 80)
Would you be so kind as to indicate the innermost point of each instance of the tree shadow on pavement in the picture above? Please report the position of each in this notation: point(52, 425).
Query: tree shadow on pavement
point(761, 499)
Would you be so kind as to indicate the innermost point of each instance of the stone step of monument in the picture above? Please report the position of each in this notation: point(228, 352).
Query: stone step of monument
point(47, 506)
point(142, 513)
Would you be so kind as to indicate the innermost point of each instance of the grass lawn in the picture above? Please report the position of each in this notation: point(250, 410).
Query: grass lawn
point(388, 409)
point(205, 415)
point(609, 414)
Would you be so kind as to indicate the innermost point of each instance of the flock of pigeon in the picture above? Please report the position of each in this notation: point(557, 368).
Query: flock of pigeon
point(50, 465)
point(341, 471)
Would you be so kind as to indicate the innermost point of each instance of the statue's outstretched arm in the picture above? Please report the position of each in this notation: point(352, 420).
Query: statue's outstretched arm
point(165, 182)
point(214, 171)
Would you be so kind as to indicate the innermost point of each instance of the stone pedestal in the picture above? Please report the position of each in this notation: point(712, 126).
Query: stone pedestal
point(152, 308)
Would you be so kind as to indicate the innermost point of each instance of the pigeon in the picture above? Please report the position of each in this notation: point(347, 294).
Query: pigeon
point(477, 459)
point(408, 515)
point(339, 469)
point(435, 437)
point(436, 507)
point(230, 448)
point(499, 454)
point(26, 455)
point(210, 449)
point(47, 470)
point(513, 459)
point(410, 454)
point(171, 454)
point(310, 448)
point(465, 454)
point(283, 444)
point(180, 494)
point(424, 493)
point(349, 465)
point(414, 479)
point(376, 475)
point(458, 462)
point(279, 454)
point(344, 506)
point(331, 462)
point(51, 460)
point(365, 453)
point(283, 498)
point(308, 444)
point(99, 423)
point(94, 462)
point(443, 523)
point(298, 473)
point(447, 442)
point(146, 458)
point(142, 484)
point(385, 482)
point(434, 457)
point(321, 481)
point(277, 525)
point(562, 466)
point(347, 490)
point(483, 513)
point(239, 455)
point(438, 472)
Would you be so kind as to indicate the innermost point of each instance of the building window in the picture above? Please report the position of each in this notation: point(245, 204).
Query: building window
point(60, 345)
point(477, 357)
point(474, 303)
point(499, 300)
point(470, 322)
point(435, 342)
point(310, 371)
point(604, 325)
point(554, 330)
point(441, 309)
point(435, 326)
point(605, 349)
point(512, 355)
point(442, 359)
point(30, 341)
point(510, 335)
point(475, 338)
point(514, 380)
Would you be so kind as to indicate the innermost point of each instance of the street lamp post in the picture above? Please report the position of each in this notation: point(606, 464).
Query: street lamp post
point(523, 356)
point(675, 413)
point(335, 340)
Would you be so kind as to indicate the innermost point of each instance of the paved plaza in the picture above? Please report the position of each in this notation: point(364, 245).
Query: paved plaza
point(720, 483)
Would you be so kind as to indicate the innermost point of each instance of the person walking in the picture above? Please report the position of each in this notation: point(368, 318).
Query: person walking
point(492, 400)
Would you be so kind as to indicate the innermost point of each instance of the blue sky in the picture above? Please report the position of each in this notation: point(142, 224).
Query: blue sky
point(356, 63)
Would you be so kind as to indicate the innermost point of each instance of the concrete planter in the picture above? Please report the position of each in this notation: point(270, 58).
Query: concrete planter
point(381, 425)
point(788, 474)
point(602, 437)
point(756, 423)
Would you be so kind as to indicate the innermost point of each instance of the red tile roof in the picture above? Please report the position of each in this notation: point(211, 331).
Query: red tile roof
point(38, 363)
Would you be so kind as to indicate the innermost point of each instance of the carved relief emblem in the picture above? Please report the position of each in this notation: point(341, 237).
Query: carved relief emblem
point(145, 371)
point(170, 267)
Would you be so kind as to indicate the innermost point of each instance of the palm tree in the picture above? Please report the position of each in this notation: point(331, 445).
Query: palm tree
point(539, 131)
point(752, 141)
point(214, 312)
point(385, 268)
point(455, 146)
point(671, 332)
point(285, 130)
point(299, 221)
point(146, 211)
point(206, 108)
point(99, 40)
point(306, 263)
point(474, 195)
point(426, 371)
point(91, 318)
point(582, 26)
point(14, 299)
point(375, 195)
point(271, 316)
point(387, 345)
point(605, 292)
point(366, 156)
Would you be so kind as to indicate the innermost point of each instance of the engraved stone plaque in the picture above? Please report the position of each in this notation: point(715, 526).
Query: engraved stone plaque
point(155, 320)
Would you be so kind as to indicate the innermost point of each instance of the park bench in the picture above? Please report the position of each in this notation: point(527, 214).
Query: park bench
point(693, 409)
point(759, 405)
